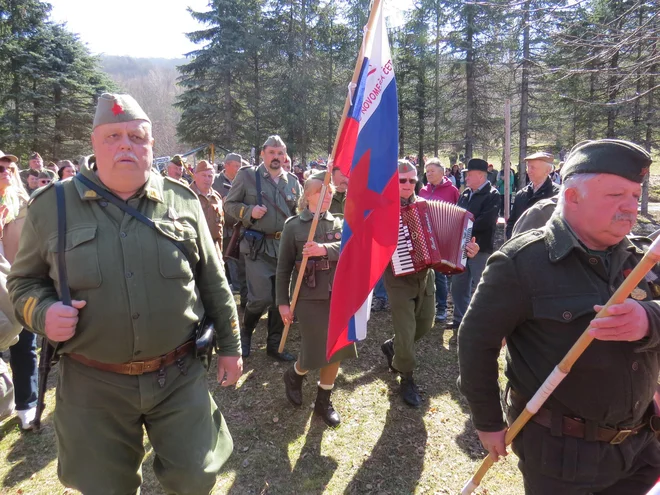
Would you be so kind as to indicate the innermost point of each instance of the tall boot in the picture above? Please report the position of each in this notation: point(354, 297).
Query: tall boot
point(323, 408)
point(275, 329)
point(409, 391)
point(293, 386)
point(250, 321)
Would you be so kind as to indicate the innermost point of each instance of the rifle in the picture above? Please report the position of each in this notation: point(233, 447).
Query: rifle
point(48, 355)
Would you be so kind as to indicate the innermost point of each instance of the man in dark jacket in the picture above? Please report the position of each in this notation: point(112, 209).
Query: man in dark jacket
point(539, 167)
point(482, 200)
point(540, 291)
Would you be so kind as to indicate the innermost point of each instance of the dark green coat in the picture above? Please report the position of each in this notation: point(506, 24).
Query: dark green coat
point(538, 291)
point(142, 298)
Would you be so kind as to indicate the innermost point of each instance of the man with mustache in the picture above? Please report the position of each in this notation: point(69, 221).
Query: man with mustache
point(262, 198)
point(138, 293)
point(597, 431)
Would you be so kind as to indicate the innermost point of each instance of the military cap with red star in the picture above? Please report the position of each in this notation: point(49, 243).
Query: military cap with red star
point(118, 108)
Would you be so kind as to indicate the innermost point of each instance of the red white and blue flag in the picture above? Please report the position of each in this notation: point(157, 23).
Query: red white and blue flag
point(367, 152)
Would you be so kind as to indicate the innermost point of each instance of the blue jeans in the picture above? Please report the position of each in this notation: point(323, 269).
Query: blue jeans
point(23, 361)
point(379, 290)
point(440, 292)
point(463, 284)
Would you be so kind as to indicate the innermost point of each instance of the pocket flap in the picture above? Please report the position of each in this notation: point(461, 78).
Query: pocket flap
point(74, 237)
point(565, 307)
point(178, 231)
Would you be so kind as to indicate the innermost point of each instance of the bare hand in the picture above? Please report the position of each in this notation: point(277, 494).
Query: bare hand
point(493, 442)
point(472, 248)
point(626, 322)
point(258, 212)
point(61, 320)
point(314, 249)
point(232, 366)
point(285, 313)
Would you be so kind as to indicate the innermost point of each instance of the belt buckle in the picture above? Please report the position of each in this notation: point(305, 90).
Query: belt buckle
point(136, 368)
point(277, 235)
point(620, 437)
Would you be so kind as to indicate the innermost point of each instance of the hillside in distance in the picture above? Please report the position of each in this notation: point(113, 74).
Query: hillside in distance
point(152, 82)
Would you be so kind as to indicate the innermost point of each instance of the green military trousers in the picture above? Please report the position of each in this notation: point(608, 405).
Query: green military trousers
point(412, 301)
point(99, 419)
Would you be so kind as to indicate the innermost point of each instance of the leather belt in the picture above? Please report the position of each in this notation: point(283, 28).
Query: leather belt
point(576, 427)
point(137, 367)
point(318, 264)
point(275, 235)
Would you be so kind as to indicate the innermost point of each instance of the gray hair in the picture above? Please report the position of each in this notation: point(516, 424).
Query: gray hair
point(575, 181)
point(436, 162)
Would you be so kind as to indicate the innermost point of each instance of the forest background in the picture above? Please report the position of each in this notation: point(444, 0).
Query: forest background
point(572, 70)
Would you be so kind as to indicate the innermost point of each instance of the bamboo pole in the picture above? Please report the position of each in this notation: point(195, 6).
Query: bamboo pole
point(347, 104)
point(564, 367)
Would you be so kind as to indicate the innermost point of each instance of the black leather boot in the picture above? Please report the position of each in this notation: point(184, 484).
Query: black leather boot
point(409, 392)
point(323, 408)
point(293, 386)
point(250, 321)
point(275, 329)
point(388, 350)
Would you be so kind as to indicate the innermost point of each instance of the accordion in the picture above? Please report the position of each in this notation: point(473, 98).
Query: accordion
point(432, 234)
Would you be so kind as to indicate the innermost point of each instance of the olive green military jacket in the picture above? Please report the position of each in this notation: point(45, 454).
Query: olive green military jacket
point(535, 216)
point(538, 291)
point(338, 202)
point(142, 297)
point(294, 237)
point(242, 198)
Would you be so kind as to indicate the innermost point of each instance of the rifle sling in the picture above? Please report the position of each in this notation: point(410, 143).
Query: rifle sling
point(260, 194)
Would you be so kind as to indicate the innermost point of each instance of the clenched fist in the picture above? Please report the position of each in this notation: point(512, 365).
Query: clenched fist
point(61, 320)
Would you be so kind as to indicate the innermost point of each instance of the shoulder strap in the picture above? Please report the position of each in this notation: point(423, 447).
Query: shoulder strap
point(260, 195)
point(257, 180)
point(122, 205)
point(65, 292)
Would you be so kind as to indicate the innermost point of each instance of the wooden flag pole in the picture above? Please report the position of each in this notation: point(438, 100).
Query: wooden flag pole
point(564, 367)
point(347, 105)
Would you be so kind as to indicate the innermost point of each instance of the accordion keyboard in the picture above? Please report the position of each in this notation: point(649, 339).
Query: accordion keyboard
point(402, 260)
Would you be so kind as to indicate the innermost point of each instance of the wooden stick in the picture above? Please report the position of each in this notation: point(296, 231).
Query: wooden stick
point(347, 105)
point(564, 367)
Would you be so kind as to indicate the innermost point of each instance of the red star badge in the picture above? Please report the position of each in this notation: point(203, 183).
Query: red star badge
point(117, 109)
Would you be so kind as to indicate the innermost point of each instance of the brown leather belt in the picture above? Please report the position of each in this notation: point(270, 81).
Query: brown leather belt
point(137, 367)
point(276, 235)
point(318, 264)
point(575, 427)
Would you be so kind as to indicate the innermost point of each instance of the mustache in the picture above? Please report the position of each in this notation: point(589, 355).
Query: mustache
point(124, 155)
point(631, 217)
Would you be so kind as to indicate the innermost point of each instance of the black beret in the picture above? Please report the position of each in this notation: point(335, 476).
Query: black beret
point(477, 164)
point(608, 156)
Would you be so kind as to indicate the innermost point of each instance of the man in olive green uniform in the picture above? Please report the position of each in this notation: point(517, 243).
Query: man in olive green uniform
point(211, 202)
point(126, 342)
point(341, 187)
point(35, 163)
point(222, 184)
point(263, 218)
point(540, 291)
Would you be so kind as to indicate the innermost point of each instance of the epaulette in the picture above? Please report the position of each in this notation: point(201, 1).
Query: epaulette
point(520, 242)
point(39, 192)
point(185, 187)
point(289, 219)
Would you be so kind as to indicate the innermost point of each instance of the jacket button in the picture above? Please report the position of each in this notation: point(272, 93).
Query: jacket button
point(635, 366)
point(567, 315)
point(103, 204)
point(593, 261)
point(122, 234)
point(135, 316)
point(129, 274)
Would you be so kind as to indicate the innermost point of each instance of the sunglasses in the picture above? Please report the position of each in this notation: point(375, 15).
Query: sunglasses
point(411, 181)
point(3, 169)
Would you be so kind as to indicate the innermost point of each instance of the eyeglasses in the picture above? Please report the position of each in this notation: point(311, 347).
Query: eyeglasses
point(411, 181)
point(3, 169)
point(43, 182)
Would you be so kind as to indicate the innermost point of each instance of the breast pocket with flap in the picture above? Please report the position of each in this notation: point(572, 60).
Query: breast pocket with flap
point(81, 257)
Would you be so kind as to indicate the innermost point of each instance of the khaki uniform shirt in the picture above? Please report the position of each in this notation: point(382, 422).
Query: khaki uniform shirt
point(338, 202)
point(538, 291)
point(294, 237)
point(143, 299)
point(242, 199)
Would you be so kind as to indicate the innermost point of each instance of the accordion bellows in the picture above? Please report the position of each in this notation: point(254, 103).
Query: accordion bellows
point(432, 234)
